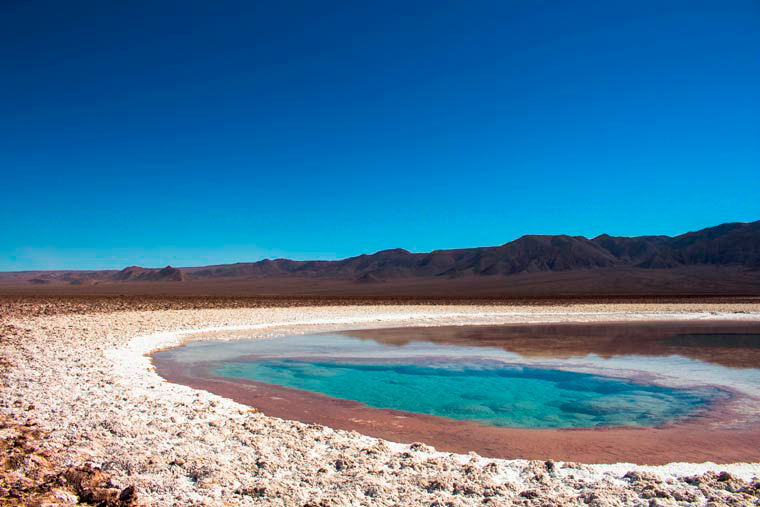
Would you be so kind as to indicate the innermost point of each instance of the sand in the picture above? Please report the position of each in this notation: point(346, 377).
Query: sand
point(86, 381)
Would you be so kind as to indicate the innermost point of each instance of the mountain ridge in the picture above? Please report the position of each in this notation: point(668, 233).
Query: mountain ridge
point(734, 244)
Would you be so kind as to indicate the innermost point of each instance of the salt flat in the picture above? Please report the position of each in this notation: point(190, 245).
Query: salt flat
point(87, 382)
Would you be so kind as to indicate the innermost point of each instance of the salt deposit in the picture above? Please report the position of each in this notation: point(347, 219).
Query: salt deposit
point(86, 379)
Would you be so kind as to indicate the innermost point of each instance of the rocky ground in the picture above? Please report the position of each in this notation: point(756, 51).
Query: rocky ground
point(84, 418)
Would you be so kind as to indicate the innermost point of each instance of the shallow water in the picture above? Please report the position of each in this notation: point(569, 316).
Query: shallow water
point(492, 393)
point(482, 379)
point(672, 391)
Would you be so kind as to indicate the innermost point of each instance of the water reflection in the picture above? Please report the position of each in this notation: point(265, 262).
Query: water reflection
point(529, 376)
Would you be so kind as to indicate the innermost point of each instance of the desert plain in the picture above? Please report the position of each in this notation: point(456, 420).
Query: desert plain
point(86, 418)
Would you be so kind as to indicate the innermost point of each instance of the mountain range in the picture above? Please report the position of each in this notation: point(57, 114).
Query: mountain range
point(725, 257)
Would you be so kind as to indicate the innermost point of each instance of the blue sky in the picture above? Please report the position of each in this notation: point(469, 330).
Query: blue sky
point(191, 133)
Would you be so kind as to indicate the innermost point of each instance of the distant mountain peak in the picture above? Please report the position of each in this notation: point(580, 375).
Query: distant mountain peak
point(393, 251)
point(137, 273)
point(725, 244)
point(732, 244)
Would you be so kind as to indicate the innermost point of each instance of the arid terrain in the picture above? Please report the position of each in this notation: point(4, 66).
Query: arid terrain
point(721, 260)
point(380, 254)
point(86, 419)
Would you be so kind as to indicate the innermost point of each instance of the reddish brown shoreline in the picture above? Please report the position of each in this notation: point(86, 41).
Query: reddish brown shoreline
point(697, 440)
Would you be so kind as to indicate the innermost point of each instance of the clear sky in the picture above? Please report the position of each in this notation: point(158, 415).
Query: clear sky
point(191, 133)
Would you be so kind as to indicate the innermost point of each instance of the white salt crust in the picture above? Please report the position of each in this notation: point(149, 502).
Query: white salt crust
point(90, 382)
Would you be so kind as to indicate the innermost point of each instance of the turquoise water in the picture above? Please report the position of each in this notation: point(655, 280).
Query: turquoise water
point(456, 383)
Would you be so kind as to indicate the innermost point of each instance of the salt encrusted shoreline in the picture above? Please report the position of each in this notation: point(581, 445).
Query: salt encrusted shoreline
point(85, 378)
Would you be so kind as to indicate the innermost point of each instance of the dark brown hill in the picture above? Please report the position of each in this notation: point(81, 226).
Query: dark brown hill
point(136, 273)
point(725, 245)
point(721, 259)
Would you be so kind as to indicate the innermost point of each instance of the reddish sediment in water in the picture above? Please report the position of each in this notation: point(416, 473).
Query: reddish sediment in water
point(712, 436)
point(738, 345)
